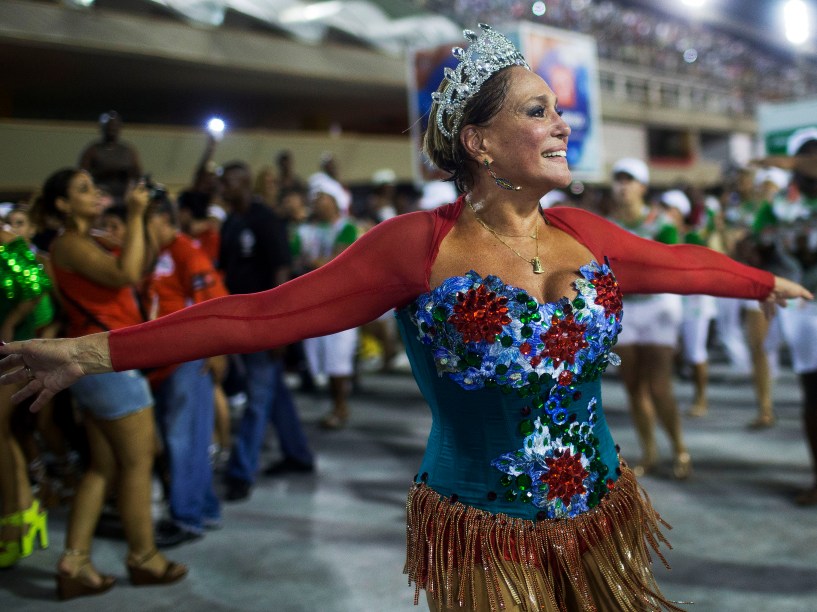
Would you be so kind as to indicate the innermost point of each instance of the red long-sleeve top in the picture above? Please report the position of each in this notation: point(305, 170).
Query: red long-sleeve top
point(388, 267)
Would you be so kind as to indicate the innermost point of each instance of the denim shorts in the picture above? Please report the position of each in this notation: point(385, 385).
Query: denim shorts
point(113, 395)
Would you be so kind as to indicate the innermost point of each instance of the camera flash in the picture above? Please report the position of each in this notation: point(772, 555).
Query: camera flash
point(216, 126)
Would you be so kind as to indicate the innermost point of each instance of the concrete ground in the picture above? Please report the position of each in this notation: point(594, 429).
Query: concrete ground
point(334, 541)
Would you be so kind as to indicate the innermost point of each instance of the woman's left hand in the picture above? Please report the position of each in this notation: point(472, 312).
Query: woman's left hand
point(783, 290)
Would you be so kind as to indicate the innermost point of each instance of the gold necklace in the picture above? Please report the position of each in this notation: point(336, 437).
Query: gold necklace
point(535, 262)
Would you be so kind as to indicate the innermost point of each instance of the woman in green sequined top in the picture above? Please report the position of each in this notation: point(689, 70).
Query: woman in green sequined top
point(24, 306)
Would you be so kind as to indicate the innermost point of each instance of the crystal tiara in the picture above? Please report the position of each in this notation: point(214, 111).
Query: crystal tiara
point(487, 54)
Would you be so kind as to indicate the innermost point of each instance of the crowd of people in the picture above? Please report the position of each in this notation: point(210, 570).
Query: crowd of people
point(101, 248)
point(638, 36)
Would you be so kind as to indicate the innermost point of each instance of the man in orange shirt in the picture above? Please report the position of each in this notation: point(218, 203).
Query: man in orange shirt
point(182, 274)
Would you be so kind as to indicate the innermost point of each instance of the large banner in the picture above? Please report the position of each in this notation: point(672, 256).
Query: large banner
point(776, 122)
point(567, 61)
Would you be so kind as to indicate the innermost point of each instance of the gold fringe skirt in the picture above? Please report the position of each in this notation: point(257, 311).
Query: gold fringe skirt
point(600, 560)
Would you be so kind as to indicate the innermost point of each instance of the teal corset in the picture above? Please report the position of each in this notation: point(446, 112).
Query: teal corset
point(515, 395)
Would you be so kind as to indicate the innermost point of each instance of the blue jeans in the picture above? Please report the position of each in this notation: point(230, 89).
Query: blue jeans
point(185, 415)
point(268, 399)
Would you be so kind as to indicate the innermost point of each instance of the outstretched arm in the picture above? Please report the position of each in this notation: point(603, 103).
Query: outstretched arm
point(646, 266)
point(386, 268)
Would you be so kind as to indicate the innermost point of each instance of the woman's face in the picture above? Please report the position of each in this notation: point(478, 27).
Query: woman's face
point(527, 139)
point(84, 199)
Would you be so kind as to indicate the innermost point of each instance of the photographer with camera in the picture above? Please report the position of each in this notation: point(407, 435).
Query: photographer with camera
point(96, 286)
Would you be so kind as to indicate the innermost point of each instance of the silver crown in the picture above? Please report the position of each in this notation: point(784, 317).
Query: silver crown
point(486, 55)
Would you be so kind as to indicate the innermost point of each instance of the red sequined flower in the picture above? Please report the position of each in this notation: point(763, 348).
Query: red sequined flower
point(565, 476)
point(563, 340)
point(479, 314)
point(608, 294)
point(565, 378)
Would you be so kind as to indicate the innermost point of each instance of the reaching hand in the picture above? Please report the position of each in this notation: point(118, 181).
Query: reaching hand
point(783, 290)
point(802, 164)
point(45, 367)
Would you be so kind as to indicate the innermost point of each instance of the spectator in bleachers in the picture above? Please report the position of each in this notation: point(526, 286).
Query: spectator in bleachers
point(641, 37)
point(113, 164)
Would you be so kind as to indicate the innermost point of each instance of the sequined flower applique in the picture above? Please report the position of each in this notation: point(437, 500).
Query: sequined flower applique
point(485, 333)
point(558, 469)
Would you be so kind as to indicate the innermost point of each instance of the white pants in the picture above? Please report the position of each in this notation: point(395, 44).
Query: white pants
point(332, 355)
point(798, 324)
point(699, 310)
point(655, 320)
point(731, 334)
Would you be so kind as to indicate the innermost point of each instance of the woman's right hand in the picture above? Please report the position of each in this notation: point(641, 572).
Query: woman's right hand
point(45, 367)
point(138, 199)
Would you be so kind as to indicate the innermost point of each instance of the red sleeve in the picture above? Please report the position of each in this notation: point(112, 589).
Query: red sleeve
point(386, 268)
point(646, 266)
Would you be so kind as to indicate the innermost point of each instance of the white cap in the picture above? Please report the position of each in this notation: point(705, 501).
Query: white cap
point(323, 183)
point(799, 138)
point(437, 193)
point(5, 209)
point(778, 176)
point(384, 176)
point(712, 203)
point(217, 212)
point(677, 199)
point(552, 198)
point(634, 167)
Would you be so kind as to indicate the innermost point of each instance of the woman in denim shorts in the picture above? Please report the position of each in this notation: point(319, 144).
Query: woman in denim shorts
point(95, 280)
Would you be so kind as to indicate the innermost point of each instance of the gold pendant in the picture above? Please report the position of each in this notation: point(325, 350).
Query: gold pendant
point(537, 266)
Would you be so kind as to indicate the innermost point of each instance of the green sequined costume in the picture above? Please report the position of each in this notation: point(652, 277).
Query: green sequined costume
point(23, 278)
